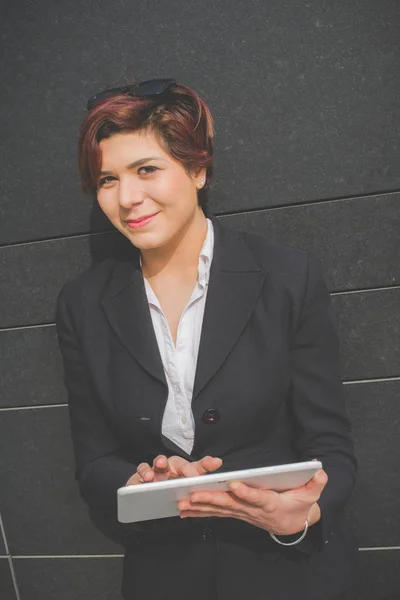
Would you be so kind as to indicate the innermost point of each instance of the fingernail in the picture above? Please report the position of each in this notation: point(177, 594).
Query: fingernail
point(235, 485)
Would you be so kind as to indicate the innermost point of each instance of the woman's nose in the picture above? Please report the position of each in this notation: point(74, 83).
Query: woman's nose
point(130, 193)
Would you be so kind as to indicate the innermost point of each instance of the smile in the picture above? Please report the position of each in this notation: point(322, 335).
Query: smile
point(138, 223)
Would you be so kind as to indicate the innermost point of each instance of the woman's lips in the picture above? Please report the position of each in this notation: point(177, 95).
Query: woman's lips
point(140, 222)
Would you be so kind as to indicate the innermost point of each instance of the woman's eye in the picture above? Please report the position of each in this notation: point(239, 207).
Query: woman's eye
point(152, 169)
point(109, 178)
point(104, 180)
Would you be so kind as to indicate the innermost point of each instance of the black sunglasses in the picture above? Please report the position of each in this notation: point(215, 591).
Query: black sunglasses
point(151, 87)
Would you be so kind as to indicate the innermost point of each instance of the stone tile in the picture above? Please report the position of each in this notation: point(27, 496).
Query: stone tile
point(32, 370)
point(369, 329)
point(340, 234)
point(42, 510)
point(7, 591)
point(374, 508)
point(67, 578)
point(380, 575)
point(33, 274)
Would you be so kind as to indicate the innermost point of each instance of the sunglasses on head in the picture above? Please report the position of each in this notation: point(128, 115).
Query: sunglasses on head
point(151, 87)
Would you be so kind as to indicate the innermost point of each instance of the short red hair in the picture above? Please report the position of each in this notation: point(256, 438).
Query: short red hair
point(180, 120)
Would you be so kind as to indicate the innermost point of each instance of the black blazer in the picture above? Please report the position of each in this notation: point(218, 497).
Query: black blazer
point(268, 363)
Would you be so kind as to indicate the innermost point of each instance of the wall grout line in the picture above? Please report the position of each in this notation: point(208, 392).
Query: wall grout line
point(310, 203)
point(10, 560)
point(14, 578)
point(44, 556)
point(56, 556)
point(27, 327)
point(379, 548)
point(3, 533)
point(362, 290)
point(60, 238)
point(33, 407)
point(382, 379)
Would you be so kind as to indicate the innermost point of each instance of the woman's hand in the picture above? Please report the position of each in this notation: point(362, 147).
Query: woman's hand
point(171, 468)
point(281, 513)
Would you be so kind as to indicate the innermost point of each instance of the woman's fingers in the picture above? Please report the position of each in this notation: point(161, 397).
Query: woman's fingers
point(135, 479)
point(284, 513)
point(208, 464)
point(176, 466)
point(161, 464)
point(145, 472)
point(209, 513)
point(160, 471)
point(221, 499)
point(185, 468)
point(317, 483)
point(242, 498)
point(258, 497)
point(189, 469)
point(310, 491)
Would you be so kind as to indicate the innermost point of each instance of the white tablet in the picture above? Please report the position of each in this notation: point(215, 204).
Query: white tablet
point(158, 500)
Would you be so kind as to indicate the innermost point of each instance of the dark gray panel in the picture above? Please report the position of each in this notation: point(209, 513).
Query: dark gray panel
point(380, 575)
point(31, 367)
point(369, 330)
point(33, 274)
point(374, 409)
point(41, 507)
point(340, 233)
point(64, 579)
point(310, 89)
point(7, 591)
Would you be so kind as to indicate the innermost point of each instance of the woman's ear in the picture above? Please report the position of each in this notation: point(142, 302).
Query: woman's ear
point(199, 176)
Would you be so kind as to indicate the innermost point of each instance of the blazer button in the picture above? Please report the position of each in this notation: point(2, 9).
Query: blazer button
point(211, 416)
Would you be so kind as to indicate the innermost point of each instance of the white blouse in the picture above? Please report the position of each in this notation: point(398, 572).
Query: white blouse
point(180, 361)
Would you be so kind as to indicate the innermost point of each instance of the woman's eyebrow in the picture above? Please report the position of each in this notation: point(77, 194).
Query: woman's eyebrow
point(137, 163)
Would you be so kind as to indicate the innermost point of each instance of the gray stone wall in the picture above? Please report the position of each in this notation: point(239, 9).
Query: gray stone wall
point(306, 102)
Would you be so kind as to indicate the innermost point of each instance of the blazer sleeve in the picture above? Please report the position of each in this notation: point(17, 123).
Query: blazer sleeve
point(100, 467)
point(321, 427)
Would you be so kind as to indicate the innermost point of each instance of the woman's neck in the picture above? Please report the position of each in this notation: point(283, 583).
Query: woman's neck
point(182, 255)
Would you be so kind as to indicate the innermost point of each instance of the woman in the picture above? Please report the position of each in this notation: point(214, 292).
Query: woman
point(201, 349)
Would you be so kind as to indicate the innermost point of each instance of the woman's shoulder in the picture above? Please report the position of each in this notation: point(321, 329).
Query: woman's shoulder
point(290, 266)
point(275, 256)
point(90, 281)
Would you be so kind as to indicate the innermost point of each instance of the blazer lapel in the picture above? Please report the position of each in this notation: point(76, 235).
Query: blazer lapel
point(234, 286)
point(125, 303)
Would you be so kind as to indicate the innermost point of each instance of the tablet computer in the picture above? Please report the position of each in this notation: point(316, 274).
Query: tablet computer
point(157, 500)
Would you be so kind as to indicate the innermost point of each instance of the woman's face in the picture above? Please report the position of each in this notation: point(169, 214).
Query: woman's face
point(158, 185)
